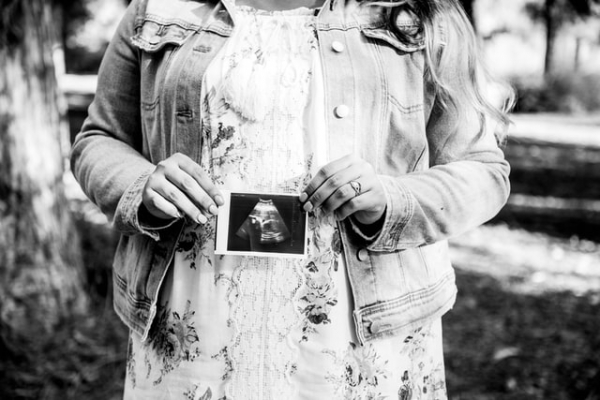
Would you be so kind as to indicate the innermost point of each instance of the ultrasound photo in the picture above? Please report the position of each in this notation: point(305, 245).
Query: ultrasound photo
point(261, 224)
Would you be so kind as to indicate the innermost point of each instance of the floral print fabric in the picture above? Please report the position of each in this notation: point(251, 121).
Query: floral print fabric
point(244, 328)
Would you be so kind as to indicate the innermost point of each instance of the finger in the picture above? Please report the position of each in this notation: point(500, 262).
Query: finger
point(192, 189)
point(180, 200)
point(329, 186)
point(367, 208)
point(325, 172)
point(354, 205)
point(202, 178)
point(342, 195)
point(348, 208)
point(159, 206)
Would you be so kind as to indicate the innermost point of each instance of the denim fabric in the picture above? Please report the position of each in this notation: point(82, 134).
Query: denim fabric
point(442, 176)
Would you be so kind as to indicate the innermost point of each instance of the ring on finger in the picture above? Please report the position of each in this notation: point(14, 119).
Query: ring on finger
point(356, 186)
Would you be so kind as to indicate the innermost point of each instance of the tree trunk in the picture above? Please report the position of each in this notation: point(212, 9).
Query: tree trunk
point(552, 25)
point(40, 261)
point(577, 61)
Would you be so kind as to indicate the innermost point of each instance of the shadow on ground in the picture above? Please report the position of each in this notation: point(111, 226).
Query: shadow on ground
point(504, 345)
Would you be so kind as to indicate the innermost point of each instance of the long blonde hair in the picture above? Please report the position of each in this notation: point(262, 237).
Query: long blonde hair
point(453, 59)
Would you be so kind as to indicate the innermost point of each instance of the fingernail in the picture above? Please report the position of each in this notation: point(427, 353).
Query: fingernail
point(178, 215)
point(213, 209)
point(303, 197)
point(201, 219)
point(308, 207)
point(219, 200)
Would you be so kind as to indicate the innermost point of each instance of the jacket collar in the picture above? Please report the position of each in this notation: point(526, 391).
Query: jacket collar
point(218, 16)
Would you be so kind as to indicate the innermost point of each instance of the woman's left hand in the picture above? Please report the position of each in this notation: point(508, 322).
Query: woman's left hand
point(347, 186)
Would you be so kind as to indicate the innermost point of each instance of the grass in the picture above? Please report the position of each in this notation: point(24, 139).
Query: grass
point(526, 324)
point(83, 359)
point(502, 345)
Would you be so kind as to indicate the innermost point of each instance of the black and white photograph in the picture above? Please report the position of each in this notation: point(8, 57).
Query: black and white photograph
point(300, 199)
point(261, 224)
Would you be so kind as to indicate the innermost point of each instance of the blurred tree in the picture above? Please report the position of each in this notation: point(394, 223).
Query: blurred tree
point(39, 257)
point(554, 14)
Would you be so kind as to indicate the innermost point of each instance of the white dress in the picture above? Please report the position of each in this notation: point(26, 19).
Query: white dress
point(244, 328)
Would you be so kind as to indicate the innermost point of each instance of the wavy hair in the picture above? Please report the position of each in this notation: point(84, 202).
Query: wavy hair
point(453, 60)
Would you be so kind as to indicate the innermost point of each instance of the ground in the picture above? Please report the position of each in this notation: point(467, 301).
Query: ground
point(525, 325)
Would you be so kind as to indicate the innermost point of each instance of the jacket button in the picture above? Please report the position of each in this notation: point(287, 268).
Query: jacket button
point(338, 47)
point(375, 328)
point(362, 255)
point(341, 111)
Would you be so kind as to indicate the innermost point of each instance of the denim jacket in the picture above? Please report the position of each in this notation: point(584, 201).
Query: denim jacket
point(441, 176)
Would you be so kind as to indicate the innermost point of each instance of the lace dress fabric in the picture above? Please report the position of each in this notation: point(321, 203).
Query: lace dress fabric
point(244, 328)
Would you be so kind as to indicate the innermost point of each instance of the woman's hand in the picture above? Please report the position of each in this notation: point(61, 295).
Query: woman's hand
point(180, 186)
point(347, 186)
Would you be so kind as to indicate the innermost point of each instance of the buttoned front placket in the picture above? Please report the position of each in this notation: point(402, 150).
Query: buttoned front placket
point(354, 109)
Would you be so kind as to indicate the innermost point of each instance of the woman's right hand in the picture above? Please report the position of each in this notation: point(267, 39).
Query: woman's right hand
point(179, 186)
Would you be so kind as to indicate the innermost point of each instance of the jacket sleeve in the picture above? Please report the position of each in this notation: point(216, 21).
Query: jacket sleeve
point(466, 185)
point(106, 157)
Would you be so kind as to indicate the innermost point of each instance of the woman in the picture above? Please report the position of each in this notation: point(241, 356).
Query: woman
point(373, 113)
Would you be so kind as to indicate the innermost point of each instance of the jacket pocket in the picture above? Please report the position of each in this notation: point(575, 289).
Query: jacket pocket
point(406, 107)
point(436, 259)
point(414, 270)
point(423, 266)
point(157, 42)
point(406, 131)
point(152, 36)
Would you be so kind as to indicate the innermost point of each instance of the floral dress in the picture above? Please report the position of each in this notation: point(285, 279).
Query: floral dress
point(242, 327)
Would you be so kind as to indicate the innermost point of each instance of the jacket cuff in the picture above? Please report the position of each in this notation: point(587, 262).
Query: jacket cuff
point(359, 229)
point(127, 219)
point(400, 209)
point(149, 223)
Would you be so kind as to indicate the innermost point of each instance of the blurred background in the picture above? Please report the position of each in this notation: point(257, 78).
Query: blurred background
point(527, 321)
